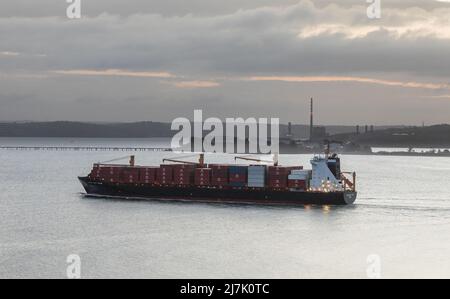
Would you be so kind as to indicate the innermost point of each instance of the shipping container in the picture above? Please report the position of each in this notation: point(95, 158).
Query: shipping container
point(129, 174)
point(184, 180)
point(257, 176)
point(219, 166)
point(219, 181)
point(164, 174)
point(147, 175)
point(238, 175)
point(238, 169)
point(238, 184)
point(183, 174)
point(106, 171)
point(297, 184)
point(182, 169)
point(283, 169)
point(202, 176)
point(219, 175)
point(278, 175)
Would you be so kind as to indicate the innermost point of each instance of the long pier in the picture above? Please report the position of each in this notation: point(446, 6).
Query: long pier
point(86, 148)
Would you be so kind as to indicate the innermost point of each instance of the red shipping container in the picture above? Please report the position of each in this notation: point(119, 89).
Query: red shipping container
point(219, 166)
point(277, 178)
point(165, 174)
point(183, 180)
point(95, 174)
point(183, 174)
point(219, 174)
point(147, 175)
point(130, 175)
point(278, 185)
point(219, 181)
point(298, 184)
point(278, 175)
point(184, 169)
point(281, 170)
point(202, 176)
point(202, 182)
point(106, 173)
point(280, 180)
point(111, 179)
point(181, 167)
point(278, 170)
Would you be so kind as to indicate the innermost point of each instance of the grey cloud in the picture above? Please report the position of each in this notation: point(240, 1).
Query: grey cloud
point(248, 41)
point(223, 41)
point(48, 8)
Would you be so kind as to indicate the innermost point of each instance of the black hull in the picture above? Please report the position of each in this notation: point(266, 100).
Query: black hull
point(215, 195)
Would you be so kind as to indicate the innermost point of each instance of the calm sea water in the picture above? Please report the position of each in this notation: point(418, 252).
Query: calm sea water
point(402, 215)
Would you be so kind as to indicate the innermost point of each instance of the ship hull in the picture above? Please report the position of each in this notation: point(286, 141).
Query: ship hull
point(215, 195)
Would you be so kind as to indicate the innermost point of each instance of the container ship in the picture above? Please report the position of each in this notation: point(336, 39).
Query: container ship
point(175, 180)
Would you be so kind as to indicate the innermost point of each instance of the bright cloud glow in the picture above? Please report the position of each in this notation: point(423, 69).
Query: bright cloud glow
point(115, 72)
point(196, 84)
point(351, 79)
point(7, 53)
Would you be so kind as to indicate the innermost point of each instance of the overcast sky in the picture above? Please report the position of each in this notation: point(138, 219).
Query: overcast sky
point(161, 59)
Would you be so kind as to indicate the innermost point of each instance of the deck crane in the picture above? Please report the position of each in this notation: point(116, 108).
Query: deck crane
point(201, 160)
point(249, 158)
point(131, 161)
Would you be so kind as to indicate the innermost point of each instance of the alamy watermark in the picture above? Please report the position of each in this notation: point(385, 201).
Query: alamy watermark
point(73, 270)
point(251, 135)
point(373, 270)
point(74, 9)
point(374, 9)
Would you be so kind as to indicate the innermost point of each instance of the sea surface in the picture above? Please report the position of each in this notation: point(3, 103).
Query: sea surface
point(399, 227)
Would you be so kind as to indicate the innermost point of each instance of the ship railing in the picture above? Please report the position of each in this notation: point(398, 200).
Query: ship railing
point(349, 183)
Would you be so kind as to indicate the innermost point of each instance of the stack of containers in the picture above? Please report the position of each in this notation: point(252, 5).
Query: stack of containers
point(298, 179)
point(257, 176)
point(278, 176)
point(129, 175)
point(219, 175)
point(238, 176)
point(147, 175)
point(183, 174)
point(164, 175)
point(95, 172)
point(110, 174)
point(202, 176)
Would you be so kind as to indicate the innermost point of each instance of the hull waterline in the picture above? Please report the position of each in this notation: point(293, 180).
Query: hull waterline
point(215, 195)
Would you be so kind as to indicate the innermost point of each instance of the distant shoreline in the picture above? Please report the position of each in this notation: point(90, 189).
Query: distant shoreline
point(437, 136)
point(145, 129)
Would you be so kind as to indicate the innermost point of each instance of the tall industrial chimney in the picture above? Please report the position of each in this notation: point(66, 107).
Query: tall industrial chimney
point(311, 122)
